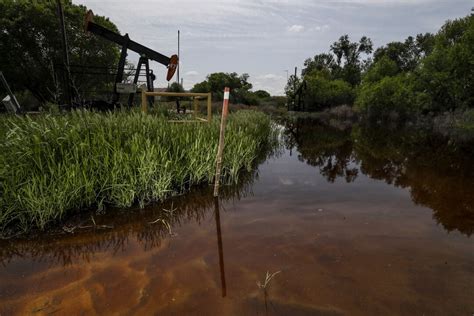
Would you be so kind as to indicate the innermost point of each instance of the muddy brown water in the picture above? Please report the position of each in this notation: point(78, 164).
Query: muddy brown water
point(357, 221)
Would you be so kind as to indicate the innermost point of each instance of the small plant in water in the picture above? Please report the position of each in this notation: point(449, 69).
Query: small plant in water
point(164, 222)
point(171, 211)
point(269, 276)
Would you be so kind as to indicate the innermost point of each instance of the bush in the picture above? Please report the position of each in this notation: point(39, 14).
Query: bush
point(324, 93)
point(381, 99)
point(385, 67)
point(447, 73)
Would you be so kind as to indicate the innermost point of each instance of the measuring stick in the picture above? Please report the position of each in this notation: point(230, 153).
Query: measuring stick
point(220, 149)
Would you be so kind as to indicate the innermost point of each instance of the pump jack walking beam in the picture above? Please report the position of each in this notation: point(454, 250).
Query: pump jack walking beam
point(146, 53)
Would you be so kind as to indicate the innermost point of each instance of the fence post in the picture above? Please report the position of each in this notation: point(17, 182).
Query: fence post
point(220, 149)
point(144, 101)
point(209, 107)
point(195, 106)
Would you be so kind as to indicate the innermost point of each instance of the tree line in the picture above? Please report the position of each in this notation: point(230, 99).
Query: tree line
point(31, 50)
point(425, 74)
point(32, 61)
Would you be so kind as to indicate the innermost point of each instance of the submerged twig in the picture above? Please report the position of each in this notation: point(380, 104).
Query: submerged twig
point(269, 276)
point(72, 229)
point(163, 221)
point(171, 210)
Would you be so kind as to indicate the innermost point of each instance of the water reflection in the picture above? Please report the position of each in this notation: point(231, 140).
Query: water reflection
point(60, 247)
point(219, 246)
point(438, 173)
point(329, 149)
point(318, 219)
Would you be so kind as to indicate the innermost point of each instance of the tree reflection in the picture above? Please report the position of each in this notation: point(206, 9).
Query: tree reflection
point(438, 173)
point(328, 148)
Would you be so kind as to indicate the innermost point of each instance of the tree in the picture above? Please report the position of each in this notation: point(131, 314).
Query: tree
point(384, 67)
point(239, 87)
point(320, 62)
point(30, 46)
point(389, 95)
point(262, 94)
point(174, 87)
point(406, 54)
point(322, 92)
point(291, 87)
point(348, 58)
point(447, 74)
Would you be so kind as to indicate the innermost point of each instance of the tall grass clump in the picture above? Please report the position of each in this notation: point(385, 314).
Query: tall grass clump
point(54, 164)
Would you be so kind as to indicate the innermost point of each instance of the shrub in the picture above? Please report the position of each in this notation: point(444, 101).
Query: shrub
point(382, 98)
point(323, 92)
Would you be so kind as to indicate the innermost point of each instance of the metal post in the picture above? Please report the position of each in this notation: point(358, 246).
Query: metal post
point(177, 78)
point(294, 89)
point(120, 69)
point(10, 93)
point(149, 83)
point(135, 80)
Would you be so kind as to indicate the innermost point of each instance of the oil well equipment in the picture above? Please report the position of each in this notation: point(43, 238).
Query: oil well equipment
point(146, 55)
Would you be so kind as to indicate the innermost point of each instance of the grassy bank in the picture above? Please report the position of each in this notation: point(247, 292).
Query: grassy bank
point(51, 165)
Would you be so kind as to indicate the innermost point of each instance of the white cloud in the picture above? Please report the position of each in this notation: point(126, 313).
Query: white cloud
point(295, 28)
point(191, 73)
point(269, 77)
point(319, 28)
point(272, 83)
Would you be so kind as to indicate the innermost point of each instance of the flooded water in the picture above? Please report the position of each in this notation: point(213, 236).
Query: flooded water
point(355, 222)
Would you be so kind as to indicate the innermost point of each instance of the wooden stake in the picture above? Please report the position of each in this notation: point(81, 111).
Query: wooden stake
point(195, 107)
point(209, 107)
point(144, 100)
point(220, 149)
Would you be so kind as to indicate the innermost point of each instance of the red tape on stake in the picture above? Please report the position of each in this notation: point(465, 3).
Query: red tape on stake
point(225, 105)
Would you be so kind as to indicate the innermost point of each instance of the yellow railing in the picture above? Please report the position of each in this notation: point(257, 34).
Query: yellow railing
point(196, 97)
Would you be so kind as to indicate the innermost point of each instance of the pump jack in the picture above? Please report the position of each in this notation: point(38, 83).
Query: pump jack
point(126, 43)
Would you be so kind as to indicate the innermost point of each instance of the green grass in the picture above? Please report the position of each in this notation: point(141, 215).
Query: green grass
point(51, 165)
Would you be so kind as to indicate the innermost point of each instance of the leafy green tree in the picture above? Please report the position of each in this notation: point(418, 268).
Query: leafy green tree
point(262, 94)
point(384, 67)
point(447, 74)
point(322, 92)
point(392, 95)
point(239, 87)
point(407, 54)
point(321, 62)
point(201, 87)
point(30, 46)
point(291, 87)
point(432, 73)
point(348, 58)
point(174, 87)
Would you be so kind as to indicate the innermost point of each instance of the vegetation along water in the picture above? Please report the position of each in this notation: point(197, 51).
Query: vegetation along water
point(54, 164)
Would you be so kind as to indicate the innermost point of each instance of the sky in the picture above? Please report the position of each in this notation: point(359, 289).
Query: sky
point(265, 38)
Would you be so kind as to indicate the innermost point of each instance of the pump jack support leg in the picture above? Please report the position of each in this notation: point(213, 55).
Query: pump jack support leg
point(135, 80)
point(149, 82)
point(121, 66)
